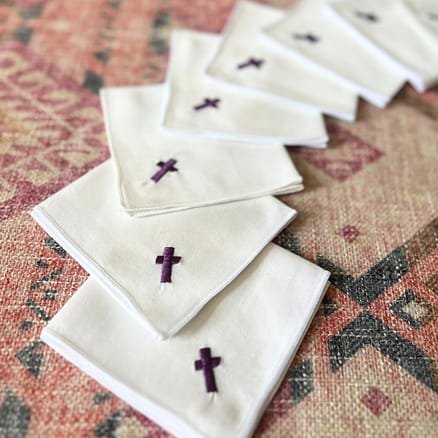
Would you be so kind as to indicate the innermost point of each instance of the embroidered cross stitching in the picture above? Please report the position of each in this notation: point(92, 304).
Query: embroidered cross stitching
point(214, 103)
point(367, 16)
point(167, 260)
point(252, 62)
point(207, 364)
point(168, 166)
point(313, 39)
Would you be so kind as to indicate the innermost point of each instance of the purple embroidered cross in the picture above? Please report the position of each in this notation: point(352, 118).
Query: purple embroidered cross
point(168, 166)
point(207, 364)
point(257, 63)
point(367, 16)
point(167, 260)
point(214, 103)
point(306, 37)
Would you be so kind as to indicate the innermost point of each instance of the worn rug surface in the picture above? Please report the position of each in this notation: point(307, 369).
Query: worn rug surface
point(369, 214)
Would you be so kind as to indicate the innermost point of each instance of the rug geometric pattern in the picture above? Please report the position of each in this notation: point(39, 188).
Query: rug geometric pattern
point(369, 214)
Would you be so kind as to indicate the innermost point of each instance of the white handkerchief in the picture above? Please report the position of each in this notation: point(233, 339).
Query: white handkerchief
point(216, 377)
point(161, 172)
point(245, 58)
point(163, 269)
point(427, 12)
point(392, 27)
point(315, 36)
point(204, 106)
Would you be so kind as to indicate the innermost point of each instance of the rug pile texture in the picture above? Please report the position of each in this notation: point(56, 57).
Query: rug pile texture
point(369, 214)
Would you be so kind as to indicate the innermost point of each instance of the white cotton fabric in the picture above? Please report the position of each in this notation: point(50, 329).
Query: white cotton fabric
point(427, 12)
point(216, 243)
point(209, 171)
point(339, 52)
point(255, 326)
point(242, 114)
point(398, 33)
point(280, 74)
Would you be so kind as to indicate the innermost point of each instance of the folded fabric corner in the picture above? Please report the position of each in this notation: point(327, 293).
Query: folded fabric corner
point(315, 37)
point(393, 29)
point(200, 105)
point(160, 172)
point(244, 57)
point(162, 269)
point(215, 378)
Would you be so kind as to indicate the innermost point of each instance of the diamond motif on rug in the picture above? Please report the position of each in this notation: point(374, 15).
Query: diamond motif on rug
point(346, 155)
point(376, 401)
point(350, 233)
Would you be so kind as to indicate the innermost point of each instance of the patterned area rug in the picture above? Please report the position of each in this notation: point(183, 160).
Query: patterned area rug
point(369, 214)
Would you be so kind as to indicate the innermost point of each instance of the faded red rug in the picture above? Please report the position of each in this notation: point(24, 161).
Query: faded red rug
point(369, 214)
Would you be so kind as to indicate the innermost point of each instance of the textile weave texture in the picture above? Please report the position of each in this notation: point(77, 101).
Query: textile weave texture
point(369, 214)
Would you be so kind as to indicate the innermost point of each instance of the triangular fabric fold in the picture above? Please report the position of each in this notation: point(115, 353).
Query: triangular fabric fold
point(160, 172)
point(392, 28)
point(312, 34)
point(200, 105)
point(245, 58)
point(162, 269)
point(216, 377)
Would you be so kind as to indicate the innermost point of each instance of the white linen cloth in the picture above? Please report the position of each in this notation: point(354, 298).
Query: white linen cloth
point(201, 105)
point(207, 171)
point(245, 58)
point(391, 27)
point(252, 330)
point(427, 12)
point(313, 35)
point(215, 244)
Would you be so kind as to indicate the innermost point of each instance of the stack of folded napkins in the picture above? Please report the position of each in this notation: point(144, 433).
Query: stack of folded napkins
point(190, 314)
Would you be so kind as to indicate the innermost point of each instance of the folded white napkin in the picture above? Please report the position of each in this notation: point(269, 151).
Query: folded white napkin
point(163, 269)
point(427, 12)
point(204, 106)
point(391, 27)
point(216, 377)
point(160, 172)
point(245, 58)
point(313, 35)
